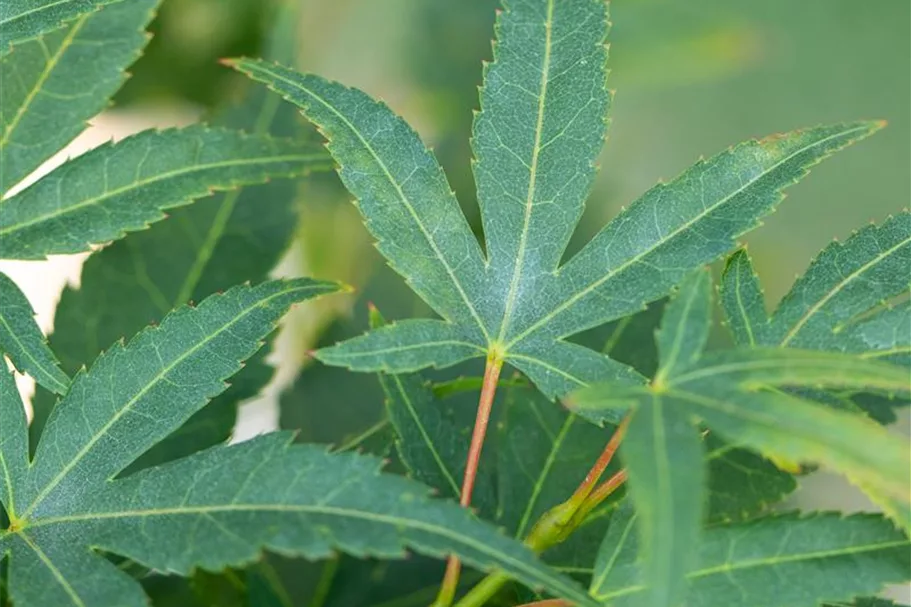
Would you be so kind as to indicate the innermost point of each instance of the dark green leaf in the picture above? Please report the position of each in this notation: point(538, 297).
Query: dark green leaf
point(53, 85)
point(124, 186)
point(23, 342)
point(135, 395)
point(201, 249)
point(518, 305)
point(25, 19)
point(220, 507)
point(768, 562)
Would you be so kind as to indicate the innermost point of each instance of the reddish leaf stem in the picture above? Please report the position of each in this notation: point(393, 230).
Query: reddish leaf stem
point(594, 475)
point(485, 404)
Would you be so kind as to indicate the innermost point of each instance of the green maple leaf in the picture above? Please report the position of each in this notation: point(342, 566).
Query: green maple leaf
point(54, 84)
point(216, 508)
point(201, 249)
point(22, 20)
point(799, 561)
point(540, 129)
point(733, 393)
point(23, 341)
point(119, 187)
point(844, 302)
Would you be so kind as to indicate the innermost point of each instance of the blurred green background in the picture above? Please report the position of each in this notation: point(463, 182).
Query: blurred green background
point(691, 78)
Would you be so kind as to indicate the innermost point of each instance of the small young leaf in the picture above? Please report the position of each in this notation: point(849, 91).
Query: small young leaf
point(25, 19)
point(685, 327)
point(124, 186)
point(53, 85)
point(22, 341)
point(768, 562)
point(742, 299)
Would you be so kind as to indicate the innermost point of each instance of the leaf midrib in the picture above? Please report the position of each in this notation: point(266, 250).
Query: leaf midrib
point(805, 318)
point(145, 182)
point(567, 303)
point(533, 175)
point(396, 521)
point(161, 375)
point(58, 575)
point(764, 364)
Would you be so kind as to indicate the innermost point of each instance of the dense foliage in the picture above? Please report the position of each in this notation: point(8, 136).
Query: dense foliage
point(125, 487)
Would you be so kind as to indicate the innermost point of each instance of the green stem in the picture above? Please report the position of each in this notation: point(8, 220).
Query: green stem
point(485, 404)
point(558, 523)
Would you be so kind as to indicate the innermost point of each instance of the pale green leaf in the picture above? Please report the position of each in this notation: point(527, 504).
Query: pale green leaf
point(203, 248)
point(25, 19)
point(885, 336)
point(743, 300)
point(135, 395)
point(663, 455)
point(223, 506)
point(125, 186)
point(23, 342)
point(54, 84)
point(685, 326)
point(798, 561)
point(757, 367)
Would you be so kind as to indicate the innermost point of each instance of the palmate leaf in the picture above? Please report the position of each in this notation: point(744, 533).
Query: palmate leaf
point(54, 84)
point(724, 390)
point(125, 186)
point(199, 250)
point(536, 139)
point(798, 561)
point(25, 19)
point(216, 508)
point(23, 342)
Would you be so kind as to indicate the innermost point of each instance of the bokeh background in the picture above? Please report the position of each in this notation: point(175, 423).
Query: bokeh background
point(691, 78)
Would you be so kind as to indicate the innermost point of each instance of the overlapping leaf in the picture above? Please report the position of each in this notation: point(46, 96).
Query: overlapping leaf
point(799, 561)
point(26, 19)
point(23, 342)
point(125, 186)
point(215, 508)
point(742, 395)
point(845, 302)
point(54, 84)
point(841, 303)
point(201, 249)
point(536, 138)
